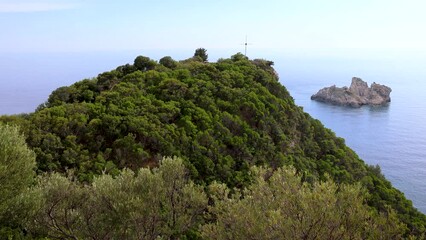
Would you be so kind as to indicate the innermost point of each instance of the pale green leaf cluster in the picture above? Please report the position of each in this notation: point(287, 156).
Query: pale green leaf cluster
point(162, 203)
point(279, 205)
point(17, 165)
point(144, 205)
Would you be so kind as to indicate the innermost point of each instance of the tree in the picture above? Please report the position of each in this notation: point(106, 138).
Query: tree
point(281, 206)
point(17, 165)
point(60, 212)
point(202, 53)
point(168, 62)
point(238, 57)
point(144, 63)
point(149, 204)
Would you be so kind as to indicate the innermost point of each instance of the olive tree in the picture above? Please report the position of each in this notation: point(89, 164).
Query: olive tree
point(17, 171)
point(147, 204)
point(279, 205)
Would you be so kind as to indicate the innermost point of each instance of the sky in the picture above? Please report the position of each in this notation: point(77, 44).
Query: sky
point(106, 25)
point(41, 40)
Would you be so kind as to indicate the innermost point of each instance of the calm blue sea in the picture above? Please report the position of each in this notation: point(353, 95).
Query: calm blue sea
point(392, 136)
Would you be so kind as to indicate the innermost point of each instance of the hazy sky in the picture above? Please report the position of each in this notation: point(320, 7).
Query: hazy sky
point(82, 25)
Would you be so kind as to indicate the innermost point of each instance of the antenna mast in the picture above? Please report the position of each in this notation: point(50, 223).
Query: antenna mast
point(245, 47)
point(246, 43)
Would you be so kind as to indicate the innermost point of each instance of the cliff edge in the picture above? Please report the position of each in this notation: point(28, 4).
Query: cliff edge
point(356, 95)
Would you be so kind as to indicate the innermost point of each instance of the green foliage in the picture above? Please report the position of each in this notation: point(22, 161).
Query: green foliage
point(238, 57)
point(17, 165)
point(280, 205)
point(168, 62)
point(143, 63)
point(17, 172)
point(202, 54)
point(148, 204)
point(221, 118)
point(163, 203)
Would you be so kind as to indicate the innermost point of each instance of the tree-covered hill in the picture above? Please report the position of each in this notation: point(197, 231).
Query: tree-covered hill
point(221, 118)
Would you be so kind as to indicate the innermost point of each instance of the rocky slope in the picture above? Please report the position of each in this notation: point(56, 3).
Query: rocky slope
point(356, 95)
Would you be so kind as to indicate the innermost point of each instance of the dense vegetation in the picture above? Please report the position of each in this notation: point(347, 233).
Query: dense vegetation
point(221, 118)
point(164, 203)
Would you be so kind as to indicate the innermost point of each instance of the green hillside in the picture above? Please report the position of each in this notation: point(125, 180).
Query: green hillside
point(221, 118)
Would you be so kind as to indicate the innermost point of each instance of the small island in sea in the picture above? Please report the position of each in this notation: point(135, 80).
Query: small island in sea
point(356, 95)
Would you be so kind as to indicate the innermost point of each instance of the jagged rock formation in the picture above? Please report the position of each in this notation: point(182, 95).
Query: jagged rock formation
point(356, 95)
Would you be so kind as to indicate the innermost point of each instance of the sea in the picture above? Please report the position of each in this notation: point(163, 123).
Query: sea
point(391, 136)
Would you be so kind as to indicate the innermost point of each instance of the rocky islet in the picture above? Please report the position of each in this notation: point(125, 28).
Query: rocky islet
point(356, 95)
